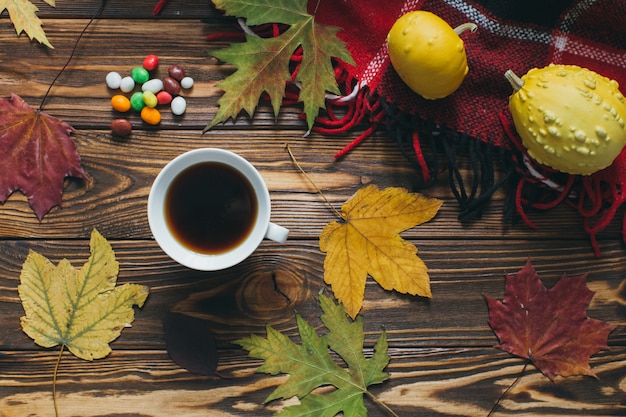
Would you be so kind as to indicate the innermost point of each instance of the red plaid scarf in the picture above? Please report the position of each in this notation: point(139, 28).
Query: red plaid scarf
point(511, 35)
point(474, 120)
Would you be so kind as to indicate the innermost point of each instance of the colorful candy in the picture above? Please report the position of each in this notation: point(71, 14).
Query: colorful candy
point(114, 80)
point(149, 98)
point(121, 127)
point(120, 103)
point(176, 72)
point(127, 84)
point(171, 86)
point(151, 62)
point(163, 97)
point(140, 75)
point(136, 101)
point(155, 85)
point(151, 115)
point(154, 92)
point(186, 83)
point(178, 105)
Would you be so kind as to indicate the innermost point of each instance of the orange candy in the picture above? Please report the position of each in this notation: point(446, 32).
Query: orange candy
point(151, 115)
point(120, 103)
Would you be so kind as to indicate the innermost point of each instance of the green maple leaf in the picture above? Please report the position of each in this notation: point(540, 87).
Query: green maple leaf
point(310, 365)
point(23, 14)
point(263, 63)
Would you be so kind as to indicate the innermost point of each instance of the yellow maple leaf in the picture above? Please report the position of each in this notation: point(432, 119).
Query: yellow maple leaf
point(23, 14)
point(81, 309)
point(368, 241)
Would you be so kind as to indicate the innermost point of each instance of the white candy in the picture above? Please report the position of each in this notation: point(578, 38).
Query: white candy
point(127, 84)
point(178, 106)
point(186, 82)
point(154, 85)
point(113, 80)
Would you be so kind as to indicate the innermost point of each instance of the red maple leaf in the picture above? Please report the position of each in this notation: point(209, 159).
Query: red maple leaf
point(37, 154)
point(550, 328)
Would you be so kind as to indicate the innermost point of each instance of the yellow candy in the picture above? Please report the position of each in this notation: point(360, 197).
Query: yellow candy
point(120, 103)
point(150, 99)
point(150, 115)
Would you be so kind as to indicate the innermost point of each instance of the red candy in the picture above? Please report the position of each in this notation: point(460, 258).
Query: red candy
point(163, 97)
point(151, 62)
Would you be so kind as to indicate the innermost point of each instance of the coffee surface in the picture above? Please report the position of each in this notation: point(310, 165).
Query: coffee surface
point(210, 207)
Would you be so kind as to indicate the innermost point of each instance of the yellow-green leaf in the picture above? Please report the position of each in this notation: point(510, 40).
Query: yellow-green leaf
point(368, 241)
point(23, 14)
point(81, 309)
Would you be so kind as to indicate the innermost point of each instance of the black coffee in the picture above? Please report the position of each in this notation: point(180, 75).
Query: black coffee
point(210, 207)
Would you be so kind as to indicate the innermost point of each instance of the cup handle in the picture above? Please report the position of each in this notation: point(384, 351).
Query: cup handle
point(276, 233)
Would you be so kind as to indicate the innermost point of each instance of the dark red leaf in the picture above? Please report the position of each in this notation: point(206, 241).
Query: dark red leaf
point(37, 154)
point(549, 327)
point(190, 343)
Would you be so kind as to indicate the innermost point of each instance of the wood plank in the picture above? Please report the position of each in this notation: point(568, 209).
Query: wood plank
point(433, 382)
point(175, 9)
point(243, 299)
point(121, 173)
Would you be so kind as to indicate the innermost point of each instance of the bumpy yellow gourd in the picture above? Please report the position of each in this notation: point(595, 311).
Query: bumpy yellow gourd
point(428, 54)
point(569, 118)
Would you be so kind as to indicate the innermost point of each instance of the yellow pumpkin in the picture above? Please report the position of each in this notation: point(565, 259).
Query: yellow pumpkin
point(569, 118)
point(428, 54)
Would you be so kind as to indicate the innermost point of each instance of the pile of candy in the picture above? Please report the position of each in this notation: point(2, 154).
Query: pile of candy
point(154, 92)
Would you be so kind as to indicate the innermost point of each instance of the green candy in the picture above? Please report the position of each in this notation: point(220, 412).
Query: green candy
point(140, 75)
point(136, 101)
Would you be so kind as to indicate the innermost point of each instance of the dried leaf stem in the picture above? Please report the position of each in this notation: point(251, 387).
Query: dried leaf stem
point(54, 381)
point(380, 403)
point(508, 389)
point(317, 7)
point(96, 15)
point(295, 161)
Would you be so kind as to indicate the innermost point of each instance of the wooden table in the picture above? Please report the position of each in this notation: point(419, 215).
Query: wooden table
point(442, 357)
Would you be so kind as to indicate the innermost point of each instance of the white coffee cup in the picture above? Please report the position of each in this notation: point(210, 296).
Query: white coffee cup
point(161, 223)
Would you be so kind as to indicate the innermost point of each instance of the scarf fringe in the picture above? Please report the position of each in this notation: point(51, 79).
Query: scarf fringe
point(472, 190)
point(412, 134)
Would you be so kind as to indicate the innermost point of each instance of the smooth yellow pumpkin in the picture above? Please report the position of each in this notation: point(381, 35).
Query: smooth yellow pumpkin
point(428, 54)
point(569, 118)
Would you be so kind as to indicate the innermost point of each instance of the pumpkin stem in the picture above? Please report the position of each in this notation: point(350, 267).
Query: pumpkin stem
point(465, 26)
point(516, 82)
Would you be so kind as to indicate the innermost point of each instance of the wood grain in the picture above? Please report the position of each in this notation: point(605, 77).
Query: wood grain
point(121, 174)
point(443, 360)
point(433, 382)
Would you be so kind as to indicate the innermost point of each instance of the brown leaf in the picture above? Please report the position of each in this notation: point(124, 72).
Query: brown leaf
point(368, 242)
point(190, 343)
point(37, 154)
point(549, 327)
